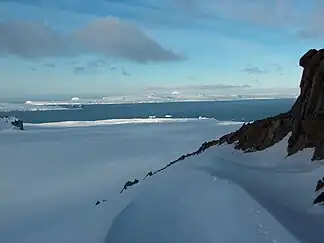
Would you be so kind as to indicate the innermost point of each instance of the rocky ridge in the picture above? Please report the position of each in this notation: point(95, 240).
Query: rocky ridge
point(305, 120)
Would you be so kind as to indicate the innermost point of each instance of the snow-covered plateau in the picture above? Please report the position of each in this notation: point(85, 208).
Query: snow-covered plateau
point(52, 176)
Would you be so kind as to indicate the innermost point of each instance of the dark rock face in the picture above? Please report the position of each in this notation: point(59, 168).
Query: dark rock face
point(305, 120)
point(260, 134)
point(308, 111)
point(319, 199)
point(18, 123)
point(319, 186)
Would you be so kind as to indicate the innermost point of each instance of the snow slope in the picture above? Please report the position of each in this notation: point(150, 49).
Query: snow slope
point(282, 190)
point(191, 207)
point(50, 187)
point(283, 187)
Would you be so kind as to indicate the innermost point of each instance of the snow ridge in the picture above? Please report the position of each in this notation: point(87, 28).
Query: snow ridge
point(201, 149)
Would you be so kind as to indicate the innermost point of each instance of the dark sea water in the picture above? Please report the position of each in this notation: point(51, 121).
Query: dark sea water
point(238, 110)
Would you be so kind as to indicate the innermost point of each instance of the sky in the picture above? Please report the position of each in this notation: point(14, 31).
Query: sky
point(101, 47)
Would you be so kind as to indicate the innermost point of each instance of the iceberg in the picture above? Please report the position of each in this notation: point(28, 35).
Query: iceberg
point(75, 99)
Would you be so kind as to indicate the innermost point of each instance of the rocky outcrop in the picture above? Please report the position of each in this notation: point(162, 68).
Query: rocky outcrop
point(11, 122)
point(320, 197)
point(305, 120)
point(18, 123)
point(260, 134)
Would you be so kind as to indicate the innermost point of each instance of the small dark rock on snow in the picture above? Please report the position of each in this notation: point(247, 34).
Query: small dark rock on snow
point(319, 199)
point(148, 174)
point(98, 202)
point(320, 185)
point(128, 184)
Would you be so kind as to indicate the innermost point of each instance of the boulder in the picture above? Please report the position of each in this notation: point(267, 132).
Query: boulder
point(18, 123)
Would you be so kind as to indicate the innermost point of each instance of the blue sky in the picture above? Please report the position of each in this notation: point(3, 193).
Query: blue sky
point(100, 47)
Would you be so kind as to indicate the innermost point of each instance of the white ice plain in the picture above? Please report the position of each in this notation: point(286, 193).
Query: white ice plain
point(51, 177)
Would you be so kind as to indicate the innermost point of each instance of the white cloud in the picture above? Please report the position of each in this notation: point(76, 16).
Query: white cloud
point(117, 38)
point(253, 70)
point(206, 87)
point(302, 18)
point(107, 36)
point(31, 39)
point(79, 70)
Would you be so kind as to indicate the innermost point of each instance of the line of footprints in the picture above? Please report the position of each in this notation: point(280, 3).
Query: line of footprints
point(261, 229)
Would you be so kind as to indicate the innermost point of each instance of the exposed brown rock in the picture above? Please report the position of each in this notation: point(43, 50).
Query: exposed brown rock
point(305, 120)
point(260, 134)
point(319, 186)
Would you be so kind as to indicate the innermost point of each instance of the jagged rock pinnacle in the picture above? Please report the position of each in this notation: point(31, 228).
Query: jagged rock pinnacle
point(305, 119)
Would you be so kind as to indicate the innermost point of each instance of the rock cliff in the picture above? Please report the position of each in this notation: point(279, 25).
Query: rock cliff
point(305, 120)
point(303, 123)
